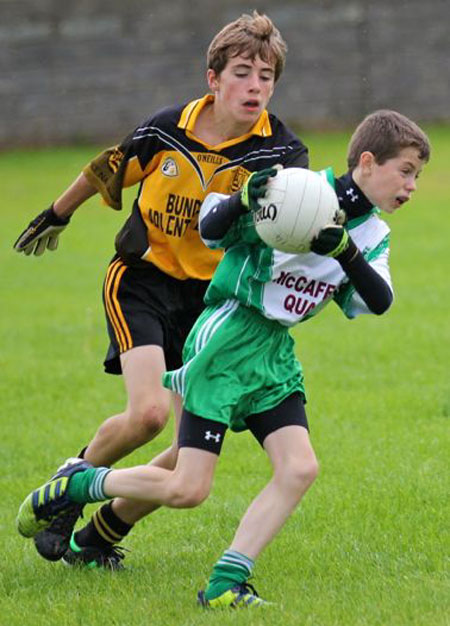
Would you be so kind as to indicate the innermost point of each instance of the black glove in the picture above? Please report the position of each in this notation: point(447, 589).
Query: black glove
point(255, 187)
point(41, 233)
point(331, 241)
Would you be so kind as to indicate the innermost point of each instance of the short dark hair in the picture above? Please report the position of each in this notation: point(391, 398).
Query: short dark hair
point(250, 35)
point(385, 133)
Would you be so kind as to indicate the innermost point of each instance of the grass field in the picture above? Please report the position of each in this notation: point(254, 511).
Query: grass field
point(368, 546)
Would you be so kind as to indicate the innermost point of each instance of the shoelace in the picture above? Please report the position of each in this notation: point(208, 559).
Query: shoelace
point(245, 588)
point(113, 555)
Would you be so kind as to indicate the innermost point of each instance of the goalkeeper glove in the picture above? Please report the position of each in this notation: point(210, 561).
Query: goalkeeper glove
point(255, 187)
point(41, 233)
point(331, 241)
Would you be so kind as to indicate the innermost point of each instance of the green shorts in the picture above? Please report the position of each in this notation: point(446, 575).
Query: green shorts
point(236, 363)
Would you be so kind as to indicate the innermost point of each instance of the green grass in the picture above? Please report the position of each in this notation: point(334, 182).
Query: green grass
point(367, 546)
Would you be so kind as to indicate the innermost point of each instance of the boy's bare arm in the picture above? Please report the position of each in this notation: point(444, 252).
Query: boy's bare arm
point(74, 196)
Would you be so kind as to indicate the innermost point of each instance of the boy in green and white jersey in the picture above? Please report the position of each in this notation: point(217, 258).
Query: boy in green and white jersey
point(239, 368)
point(290, 288)
point(252, 281)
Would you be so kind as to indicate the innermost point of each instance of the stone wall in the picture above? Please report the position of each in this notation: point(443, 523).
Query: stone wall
point(91, 70)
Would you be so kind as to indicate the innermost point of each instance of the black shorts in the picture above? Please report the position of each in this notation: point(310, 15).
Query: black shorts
point(204, 434)
point(144, 307)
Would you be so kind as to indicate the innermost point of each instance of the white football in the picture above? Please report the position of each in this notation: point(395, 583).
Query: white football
point(298, 204)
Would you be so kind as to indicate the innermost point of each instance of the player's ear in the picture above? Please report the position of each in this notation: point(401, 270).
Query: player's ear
point(366, 161)
point(213, 80)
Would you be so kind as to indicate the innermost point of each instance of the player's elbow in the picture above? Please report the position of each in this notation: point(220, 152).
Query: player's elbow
point(383, 303)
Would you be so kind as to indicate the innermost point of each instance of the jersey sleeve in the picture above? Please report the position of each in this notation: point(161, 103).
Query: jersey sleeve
point(296, 155)
point(292, 151)
point(346, 296)
point(241, 230)
point(125, 164)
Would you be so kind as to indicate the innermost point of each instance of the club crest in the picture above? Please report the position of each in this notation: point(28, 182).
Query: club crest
point(169, 167)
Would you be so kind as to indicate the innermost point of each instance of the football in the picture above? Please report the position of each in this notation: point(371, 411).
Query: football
point(297, 205)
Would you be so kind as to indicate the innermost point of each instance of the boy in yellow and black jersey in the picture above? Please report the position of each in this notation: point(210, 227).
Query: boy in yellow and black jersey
point(176, 170)
point(154, 286)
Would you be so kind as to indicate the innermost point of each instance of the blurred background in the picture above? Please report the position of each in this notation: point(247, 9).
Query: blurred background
point(91, 70)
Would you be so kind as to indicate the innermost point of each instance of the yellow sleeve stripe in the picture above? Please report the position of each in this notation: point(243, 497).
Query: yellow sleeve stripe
point(113, 309)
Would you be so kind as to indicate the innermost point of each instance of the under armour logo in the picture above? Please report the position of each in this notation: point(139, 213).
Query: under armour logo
point(353, 196)
point(209, 435)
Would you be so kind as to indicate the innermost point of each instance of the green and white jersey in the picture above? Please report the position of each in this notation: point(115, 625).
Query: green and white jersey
point(291, 288)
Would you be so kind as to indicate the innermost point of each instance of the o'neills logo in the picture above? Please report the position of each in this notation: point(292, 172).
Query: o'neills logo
point(268, 212)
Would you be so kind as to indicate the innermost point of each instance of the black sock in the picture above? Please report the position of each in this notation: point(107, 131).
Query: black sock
point(104, 529)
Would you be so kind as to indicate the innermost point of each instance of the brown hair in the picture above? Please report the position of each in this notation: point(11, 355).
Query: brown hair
point(385, 133)
point(250, 35)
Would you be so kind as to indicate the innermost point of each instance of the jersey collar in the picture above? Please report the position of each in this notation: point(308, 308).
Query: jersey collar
point(189, 115)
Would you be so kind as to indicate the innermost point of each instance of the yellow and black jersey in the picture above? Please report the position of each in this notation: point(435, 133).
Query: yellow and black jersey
point(176, 170)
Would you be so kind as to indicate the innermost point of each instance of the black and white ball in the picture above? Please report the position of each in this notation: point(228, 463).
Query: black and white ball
point(298, 204)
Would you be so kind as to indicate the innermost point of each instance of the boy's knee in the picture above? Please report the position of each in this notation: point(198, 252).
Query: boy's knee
point(300, 474)
point(310, 471)
point(185, 496)
point(148, 419)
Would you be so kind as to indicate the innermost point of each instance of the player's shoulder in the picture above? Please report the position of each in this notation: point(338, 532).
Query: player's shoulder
point(282, 132)
point(293, 151)
point(379, 223)
point(166, 117)
point(370, 231)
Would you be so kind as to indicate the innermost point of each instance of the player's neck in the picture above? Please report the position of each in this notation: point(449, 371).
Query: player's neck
point(359, 178)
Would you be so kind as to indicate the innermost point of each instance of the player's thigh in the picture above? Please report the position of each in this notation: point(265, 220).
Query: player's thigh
point(199, 445)
point(283, 432)
point(142, 369)
point(194, 473)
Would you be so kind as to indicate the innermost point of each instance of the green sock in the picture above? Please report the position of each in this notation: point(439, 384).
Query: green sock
point(232, 569)
point(87, 486)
